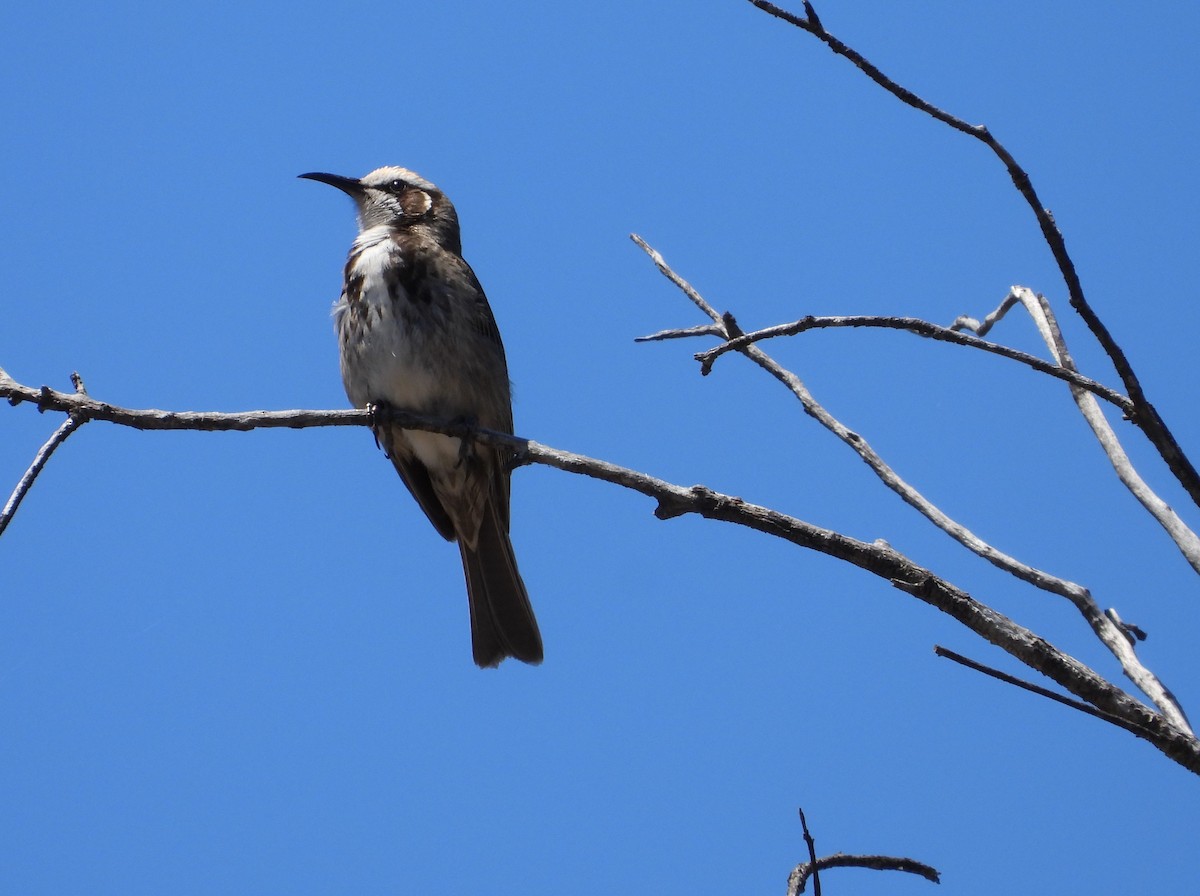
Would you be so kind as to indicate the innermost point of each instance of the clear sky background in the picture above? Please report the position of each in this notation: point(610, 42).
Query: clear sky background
point(239, 663)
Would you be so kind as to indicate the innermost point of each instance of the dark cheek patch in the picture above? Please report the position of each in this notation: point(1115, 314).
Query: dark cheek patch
point(415, 203)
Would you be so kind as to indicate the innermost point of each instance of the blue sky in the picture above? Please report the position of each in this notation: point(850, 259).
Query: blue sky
point(240, 662)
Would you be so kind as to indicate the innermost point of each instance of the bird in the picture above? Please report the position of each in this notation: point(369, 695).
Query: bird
point(416, 333)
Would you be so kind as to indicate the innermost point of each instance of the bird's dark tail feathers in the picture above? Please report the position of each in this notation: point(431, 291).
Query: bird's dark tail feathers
point(502, 621)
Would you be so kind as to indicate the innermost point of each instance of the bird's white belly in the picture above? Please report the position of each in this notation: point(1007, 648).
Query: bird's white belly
point(382, 360)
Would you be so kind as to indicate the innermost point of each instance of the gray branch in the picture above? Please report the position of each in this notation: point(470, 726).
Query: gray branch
point(672, 500)
point(59, 436)
point(798, 879)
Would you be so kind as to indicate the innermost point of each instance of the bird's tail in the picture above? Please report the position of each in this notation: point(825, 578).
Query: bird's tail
point(502, 621)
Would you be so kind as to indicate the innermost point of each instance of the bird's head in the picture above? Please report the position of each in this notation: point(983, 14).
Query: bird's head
point(400, 200)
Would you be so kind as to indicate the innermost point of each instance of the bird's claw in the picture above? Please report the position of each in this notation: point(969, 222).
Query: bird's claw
point(466, 445)
point(374, 412)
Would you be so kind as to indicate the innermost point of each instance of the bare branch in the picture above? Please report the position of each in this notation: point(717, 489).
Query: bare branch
point(909, 324)
point(684, 333)
point(1145, 416)
point(799, 876)
point(962, 322)
point(882, 560)
point(674, 500)
point(1031, 687)
point(39, 461)
point(687, 288)
point(87, 408)
point(1109, 633)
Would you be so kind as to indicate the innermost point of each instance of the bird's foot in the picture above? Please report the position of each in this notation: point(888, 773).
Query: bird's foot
point(377, 415)
point(466, 444)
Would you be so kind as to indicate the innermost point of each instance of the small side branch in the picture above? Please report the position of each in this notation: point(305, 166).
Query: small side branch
point(39, 461)
point(1030, 686)
point(908, 324)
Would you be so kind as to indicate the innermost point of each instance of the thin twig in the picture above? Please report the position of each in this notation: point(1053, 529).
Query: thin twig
point(1031, 687)
point(908, 324)
point(683, 333)
point(687, 288)
point(981, 329)
point(67, 427)
point(812, 858)
point(1145, 416)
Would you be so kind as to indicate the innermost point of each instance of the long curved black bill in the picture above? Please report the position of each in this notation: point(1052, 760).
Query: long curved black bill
point(348, 185)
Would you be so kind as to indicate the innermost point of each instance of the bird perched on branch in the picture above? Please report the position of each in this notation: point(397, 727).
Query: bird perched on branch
point(416, 333)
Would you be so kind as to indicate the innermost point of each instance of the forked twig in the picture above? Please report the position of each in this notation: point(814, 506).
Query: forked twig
point(798, 879)
point(68, 426)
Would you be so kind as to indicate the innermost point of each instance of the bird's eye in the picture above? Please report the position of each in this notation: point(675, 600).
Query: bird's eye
point(397, 186)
